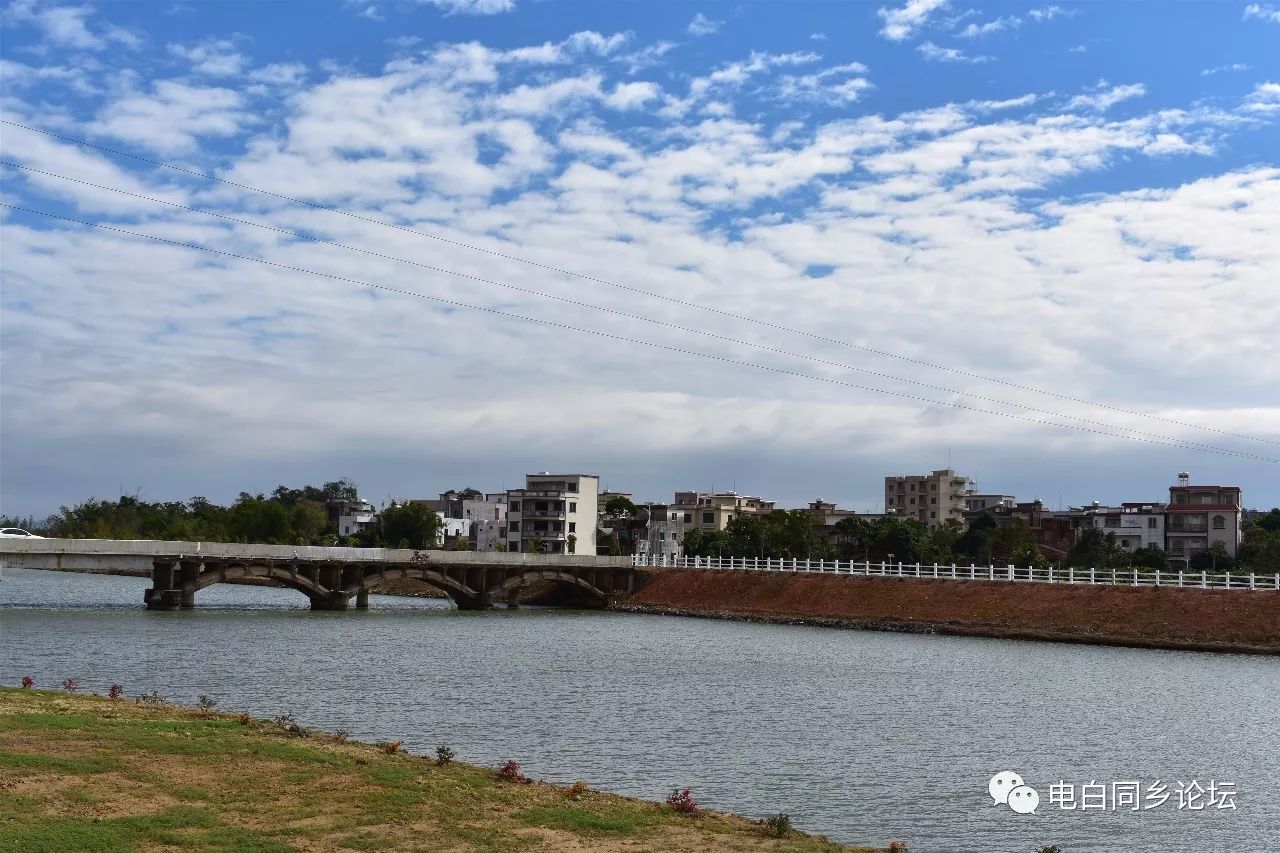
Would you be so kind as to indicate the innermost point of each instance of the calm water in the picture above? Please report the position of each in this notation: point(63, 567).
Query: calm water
point(863, 736)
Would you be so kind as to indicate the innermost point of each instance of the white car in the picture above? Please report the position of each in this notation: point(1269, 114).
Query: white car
point(17, 533)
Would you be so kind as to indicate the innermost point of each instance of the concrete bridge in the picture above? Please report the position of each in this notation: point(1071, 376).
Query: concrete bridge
point(330, 577)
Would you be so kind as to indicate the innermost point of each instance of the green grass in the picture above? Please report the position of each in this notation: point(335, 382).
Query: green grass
point(88, 775)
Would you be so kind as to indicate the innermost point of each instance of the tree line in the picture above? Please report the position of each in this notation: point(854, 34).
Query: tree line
point(286, 516)
point(793, 534)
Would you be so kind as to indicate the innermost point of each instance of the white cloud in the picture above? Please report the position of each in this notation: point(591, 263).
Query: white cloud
point(1218, 69)
point(701, 25)
point(287, 74)
point(172, 116)
point(839, 84)
point(817, 36)
point(1048, 13)
point(471, 7)
point(934, 53)
point(1104, 99)
point(1012, 22)
point(1265, 98)
point(1262, 12)
point(68, 26)
point(211, 57)
point(902, 23)
point(630, 96)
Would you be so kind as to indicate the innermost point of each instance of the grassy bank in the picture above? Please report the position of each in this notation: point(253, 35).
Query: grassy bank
point(83, 773)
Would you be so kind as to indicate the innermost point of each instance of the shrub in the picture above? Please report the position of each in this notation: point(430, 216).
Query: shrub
point(444, 755)
point(576, 790)
point(682, 801)
point(897, 847)
point(70, 685)
point(152, 698)
point(289, 724)
point(1050, 848)
point(244, 719)
point(390, 747)
point(779, 826)
point(115, 692)
point(510, 772)
point(340, 735)
point(206, 704)
point(28, 682)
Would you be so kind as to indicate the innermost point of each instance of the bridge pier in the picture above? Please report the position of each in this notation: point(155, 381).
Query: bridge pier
point(336, 600)
point(362, 599)
point(165, 592)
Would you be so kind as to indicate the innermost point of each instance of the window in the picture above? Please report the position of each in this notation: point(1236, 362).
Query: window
point(933, 515)
point(515, 527)
point(1124, 543)
point(688, 518)
point(1151, 523)
point(913, 487)
point(933, 500)
point(573, 506)
point(540, 506)
point(661, 536)
point(573, 527)
point(913, 501)
point(514, 507)
point(708, 518)
point(1219, 523)
point(933, 487)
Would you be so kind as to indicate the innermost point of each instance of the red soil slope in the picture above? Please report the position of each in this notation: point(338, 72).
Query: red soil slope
point(1218, 620)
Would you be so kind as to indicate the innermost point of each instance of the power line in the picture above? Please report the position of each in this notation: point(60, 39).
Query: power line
point(616, 337)
point(602, 308)
point(631, 289)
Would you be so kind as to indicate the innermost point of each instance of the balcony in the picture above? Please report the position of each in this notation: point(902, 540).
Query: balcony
point(545, 535)
point(1187, 528)
point(543, 513)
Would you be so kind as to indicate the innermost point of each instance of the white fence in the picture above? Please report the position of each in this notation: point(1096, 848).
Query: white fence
point(1024, 574)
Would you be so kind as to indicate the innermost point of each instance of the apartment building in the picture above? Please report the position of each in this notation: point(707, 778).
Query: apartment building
point(1136, 525)
point(1198, 516)
point(555, 513)
point(929, 498)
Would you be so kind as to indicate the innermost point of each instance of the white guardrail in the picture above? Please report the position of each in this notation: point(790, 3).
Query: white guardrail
point(1024, 574)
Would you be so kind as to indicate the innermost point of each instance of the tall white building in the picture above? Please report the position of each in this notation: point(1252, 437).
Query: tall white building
point(555, 513)
point(928, 498)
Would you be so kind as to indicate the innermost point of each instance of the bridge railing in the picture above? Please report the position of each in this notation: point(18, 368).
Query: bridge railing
point(1009, 573)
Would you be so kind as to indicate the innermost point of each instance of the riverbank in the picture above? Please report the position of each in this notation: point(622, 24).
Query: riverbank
point(1149, 617)
point(90, 773)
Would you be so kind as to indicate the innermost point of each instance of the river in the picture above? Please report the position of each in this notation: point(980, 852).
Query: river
point(862, 736)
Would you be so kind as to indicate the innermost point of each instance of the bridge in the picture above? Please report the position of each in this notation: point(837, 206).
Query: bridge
point(329, 577)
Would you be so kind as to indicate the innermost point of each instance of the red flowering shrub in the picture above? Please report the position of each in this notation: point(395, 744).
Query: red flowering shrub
point(28, 682)
point(70, 685)
point(115, 692)
point(510, 772)
point(682, 801)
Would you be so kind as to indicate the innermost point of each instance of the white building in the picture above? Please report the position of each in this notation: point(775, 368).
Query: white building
point(1136, 525)
point(929, 498)
point(356, 516)
point(452, 529)
point(555, 511)
point(1197, 517)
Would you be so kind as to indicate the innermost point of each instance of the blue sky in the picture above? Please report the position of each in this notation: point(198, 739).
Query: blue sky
point(1073, 198)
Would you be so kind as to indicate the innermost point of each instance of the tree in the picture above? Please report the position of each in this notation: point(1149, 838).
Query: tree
point(414, 523)
point(1096, 549)
point(619, 507)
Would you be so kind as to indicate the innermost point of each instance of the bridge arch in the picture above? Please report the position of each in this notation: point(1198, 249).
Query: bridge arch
point(237, 571)
point(455, 589)
point(564, 578)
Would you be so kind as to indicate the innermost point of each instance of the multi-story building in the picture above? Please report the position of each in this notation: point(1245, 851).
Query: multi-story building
point(1198, 516)
point(929, 498)
point(714, 510)
point(554, 513)
point(354, 516)
point(486, 516)
point(1136, 525)
point(974, 502)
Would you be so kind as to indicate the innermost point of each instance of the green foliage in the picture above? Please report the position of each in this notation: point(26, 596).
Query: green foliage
point(288, 516)
point(411, 525)
point(779, 825)
point(781, 533)
point(620, 507)
point(1260, 550)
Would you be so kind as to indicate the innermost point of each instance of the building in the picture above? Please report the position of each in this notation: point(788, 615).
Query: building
point(486, 516)
point(1198, 516)
point(554, 513)
point(975, 502)
point(714, 510)
point(1136, 525)
point(929, 498)
point(827, 515)
point(353, 516)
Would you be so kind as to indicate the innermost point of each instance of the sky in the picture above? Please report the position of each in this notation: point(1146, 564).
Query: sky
point(786, 248)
